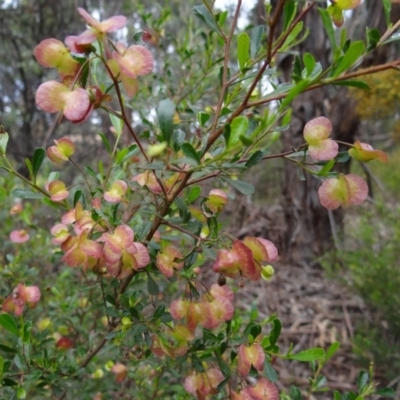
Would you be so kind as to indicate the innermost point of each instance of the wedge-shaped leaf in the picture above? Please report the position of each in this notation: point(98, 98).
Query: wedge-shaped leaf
point(37, 160)
point(326, 20)
point(275, 332)
point(243, 48)
point(203, 118)
point(7, 349)
point(269, 371)
point(308, 355)
point(373, 36)
point(152, 286)
point(105, 142)
point(292, 36)
point(333, 348)
point(26, 194)
point(362, 380)
point(239, 127)
point(309, 63)
point(387, 5)
point(9, 324)
point(189, 151)
point(254, 159)
point(354, 52)
point(194, 193)
point(255, 39)
point(165, 114)
point(178, 137)
point(294, 92)
point(326, 168)
point(387, 392)
point(117, 124)
point(202, 13)
point(243, 187)
point(353, 83)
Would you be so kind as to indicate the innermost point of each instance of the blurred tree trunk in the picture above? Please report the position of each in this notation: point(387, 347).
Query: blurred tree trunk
point(310, 229)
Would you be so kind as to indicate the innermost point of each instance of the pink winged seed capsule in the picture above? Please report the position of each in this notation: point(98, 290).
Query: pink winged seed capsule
point(345, 190)
point(316, 134)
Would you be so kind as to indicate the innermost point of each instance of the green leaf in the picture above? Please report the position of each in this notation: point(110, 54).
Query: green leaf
point(387, 5)
point(9, 324)
point(354, 52)
point(178, 137)
point(269, 371)
point(3, 141)
point(105, 142)
point(331, 350)
point(336, 395)
point(308, 355)
point(7, 349)
point(189, 151)
point(342, 157)
point(196, 363)
point(26, 334)
point(388, 392)
point(77, 196)
point(183, 211)
point(256, 35)
point(165, 115)
point(152, 286)
point(137, 329)
point(117, 123)
point(159, 311)
point(194, 193)
point(50, 203)
point(292, 36)
point(254, 159)
point(154, 165)
point(202, 13)
point(327, 21)
point(289, 12)
point(242, 187)
point(239, 127)
point(353, 83)
point(243, 48)
point(37, 160)
point(295, 393)
point(29, 166)
point(309, 63)
point(326, 168)
point(92, 173)
point(121, 155)
point(26, 194)
point(9, 382)
point(373, 36)
point(280, 89)
point(203, 118)
point(362, 380)
point(296, 90)
point(275, 332)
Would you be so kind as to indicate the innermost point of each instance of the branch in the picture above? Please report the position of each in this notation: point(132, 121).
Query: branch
point(225, 66)
point(351, 75)
point(245, 105)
